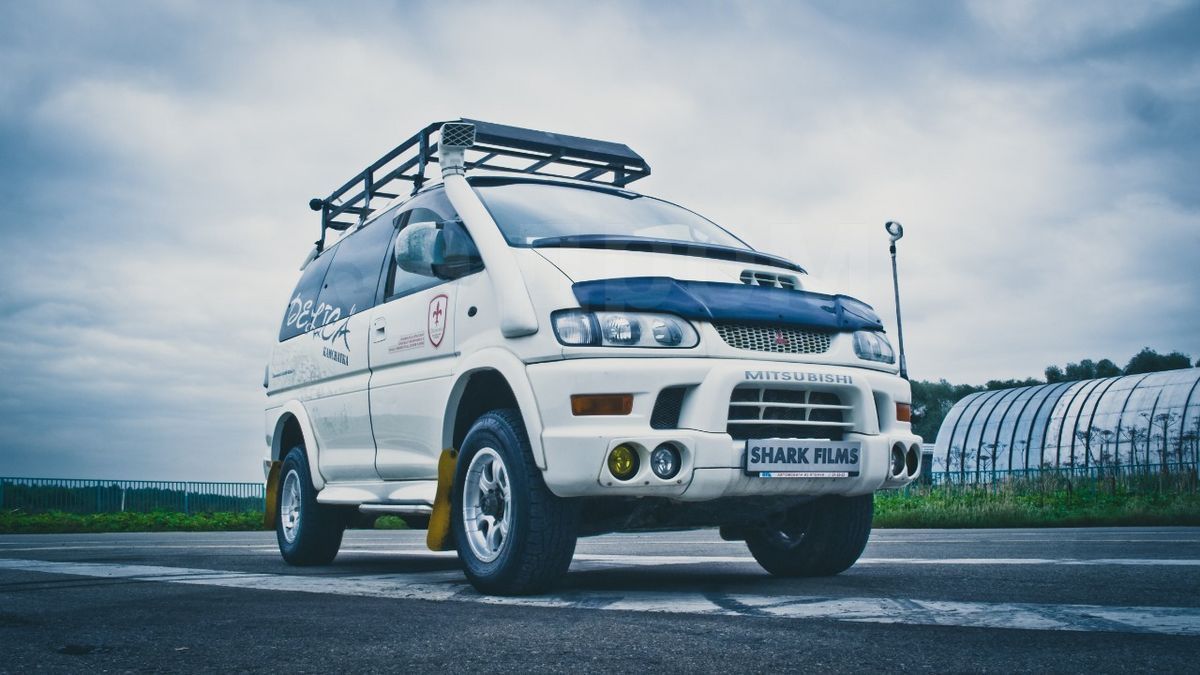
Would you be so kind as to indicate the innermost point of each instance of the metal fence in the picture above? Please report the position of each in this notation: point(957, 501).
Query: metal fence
point(1152, 479)
point(39, 495)
point(1137, 472)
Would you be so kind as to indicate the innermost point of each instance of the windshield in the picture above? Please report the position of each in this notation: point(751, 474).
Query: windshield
point(527, 212)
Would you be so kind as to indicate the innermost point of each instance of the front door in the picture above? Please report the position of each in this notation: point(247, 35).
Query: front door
point(411, 352)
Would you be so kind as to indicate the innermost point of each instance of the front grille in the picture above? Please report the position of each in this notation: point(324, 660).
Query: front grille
point(667, 407)
point(762, 412)
point(781, 340)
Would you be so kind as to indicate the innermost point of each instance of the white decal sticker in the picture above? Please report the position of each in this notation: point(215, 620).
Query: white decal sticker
point(407, 342)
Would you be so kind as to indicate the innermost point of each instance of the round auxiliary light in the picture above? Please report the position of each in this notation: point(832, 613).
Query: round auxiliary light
point(665, 461)
point(623, 462)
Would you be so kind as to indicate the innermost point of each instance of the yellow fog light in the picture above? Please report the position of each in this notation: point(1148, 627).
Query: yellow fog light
point(623, 461)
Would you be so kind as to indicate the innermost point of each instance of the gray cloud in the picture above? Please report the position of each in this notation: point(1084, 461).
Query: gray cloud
point(158, 158)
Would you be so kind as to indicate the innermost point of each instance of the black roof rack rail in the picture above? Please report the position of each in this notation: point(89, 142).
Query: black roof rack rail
point(497, 147)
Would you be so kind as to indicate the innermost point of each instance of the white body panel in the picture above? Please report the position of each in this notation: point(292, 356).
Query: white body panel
point(576, 448)
point(517, 315)
point(340, 406)
point(412, 358)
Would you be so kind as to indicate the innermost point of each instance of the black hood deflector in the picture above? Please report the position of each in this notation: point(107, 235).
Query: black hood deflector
point(736, 303)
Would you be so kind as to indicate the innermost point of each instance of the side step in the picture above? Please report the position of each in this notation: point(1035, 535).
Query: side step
point(414, 509)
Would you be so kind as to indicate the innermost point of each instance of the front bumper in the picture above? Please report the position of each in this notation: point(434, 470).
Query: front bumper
point(575, 448)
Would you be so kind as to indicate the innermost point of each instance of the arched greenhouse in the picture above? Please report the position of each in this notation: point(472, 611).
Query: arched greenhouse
point(1134, 422)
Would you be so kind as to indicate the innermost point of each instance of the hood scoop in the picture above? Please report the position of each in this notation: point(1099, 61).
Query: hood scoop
point(759, 278)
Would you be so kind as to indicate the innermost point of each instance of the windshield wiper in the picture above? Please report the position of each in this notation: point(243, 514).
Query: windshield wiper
point(669, 246)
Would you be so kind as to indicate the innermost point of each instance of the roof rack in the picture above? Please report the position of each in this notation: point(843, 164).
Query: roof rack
point(496, 147)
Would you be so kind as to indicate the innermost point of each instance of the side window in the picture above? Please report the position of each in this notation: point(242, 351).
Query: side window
point(299, 315)
point(353, 278)
point(429, 207)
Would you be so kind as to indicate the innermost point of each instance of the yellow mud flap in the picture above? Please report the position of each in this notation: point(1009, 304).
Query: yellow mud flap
point(438, 537)
point(272, 505)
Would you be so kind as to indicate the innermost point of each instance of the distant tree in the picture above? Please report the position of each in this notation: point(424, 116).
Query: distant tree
point(932, 400)
point(1106, 368)
point(1009, 384)
point(1084, 370)
point(1150, 361)
point(1054, 374)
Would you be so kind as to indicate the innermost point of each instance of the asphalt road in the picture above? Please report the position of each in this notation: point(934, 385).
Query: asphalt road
point(941, 600)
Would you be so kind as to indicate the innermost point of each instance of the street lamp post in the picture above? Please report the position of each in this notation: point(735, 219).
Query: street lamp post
point(895, 231)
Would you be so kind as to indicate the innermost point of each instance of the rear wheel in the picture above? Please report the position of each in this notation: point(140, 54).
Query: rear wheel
point(817, 539)
point(308, 533)
point(513, 535)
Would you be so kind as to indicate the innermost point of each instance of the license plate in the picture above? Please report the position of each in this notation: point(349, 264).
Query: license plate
point(802, 458)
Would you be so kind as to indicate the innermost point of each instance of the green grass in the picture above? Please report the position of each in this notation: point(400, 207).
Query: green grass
point(18, 522)
point(390, 523)
point(1041, 502)
point(1026, 507)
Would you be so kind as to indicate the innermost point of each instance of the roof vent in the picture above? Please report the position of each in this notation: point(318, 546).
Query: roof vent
point(756, 278)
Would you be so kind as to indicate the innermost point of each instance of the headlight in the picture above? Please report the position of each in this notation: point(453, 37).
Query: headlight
point(873, 347)
point(577, 328)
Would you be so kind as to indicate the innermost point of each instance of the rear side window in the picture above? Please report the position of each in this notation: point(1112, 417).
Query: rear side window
point(343, 281)
point(299, 316)
point(353, 280)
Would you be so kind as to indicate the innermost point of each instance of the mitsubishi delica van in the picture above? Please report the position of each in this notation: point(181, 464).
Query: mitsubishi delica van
point(526, 352)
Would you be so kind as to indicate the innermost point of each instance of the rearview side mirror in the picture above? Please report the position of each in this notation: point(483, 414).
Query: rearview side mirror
point(417, 248)
point(443, 250)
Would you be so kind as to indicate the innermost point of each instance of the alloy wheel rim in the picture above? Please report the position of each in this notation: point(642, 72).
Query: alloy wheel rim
point(289, 506)
point(487, 505)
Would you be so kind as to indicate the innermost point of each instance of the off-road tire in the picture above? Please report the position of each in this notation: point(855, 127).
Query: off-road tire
point(319, 529)
point(818, 539)
point(541, 540)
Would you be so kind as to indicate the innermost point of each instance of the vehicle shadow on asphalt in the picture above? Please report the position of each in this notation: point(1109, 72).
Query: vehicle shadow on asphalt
point(591, 577)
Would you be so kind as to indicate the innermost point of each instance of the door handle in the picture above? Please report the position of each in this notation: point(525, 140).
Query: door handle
point(379, 330)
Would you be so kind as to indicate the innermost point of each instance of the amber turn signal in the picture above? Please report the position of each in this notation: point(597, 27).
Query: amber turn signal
point(903, 412)
point(602, 404)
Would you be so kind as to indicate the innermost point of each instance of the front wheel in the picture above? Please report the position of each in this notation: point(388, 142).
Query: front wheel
point(513, 535)
point(817, 539)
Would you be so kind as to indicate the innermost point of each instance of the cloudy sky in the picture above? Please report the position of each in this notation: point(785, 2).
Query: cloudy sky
point(156, 160)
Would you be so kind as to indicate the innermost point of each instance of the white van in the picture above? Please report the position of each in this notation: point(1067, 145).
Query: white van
point(527, 352)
